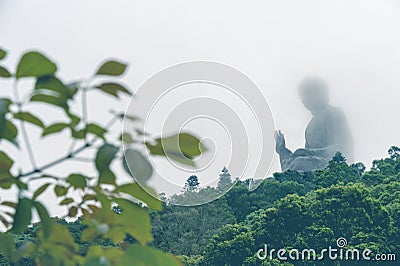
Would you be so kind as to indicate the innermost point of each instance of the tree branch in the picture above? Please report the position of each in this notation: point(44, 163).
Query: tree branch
point(23, 128)
point(69, 155)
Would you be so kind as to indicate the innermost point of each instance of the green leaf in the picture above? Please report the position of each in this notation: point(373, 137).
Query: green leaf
point(74, 118)
point(28, 117)
point(113, 89)
point(3, 54)
point(116, 234)
point(96, 130)
point(104, 157)
point(9, 132)
point(66, 201)
point(54, 128)
point(53, 84)
point(40, 190)
point(22, 216)
point(142, 255)
point(60, 246)
point(50, 99)
point(131, 117)
point(5, 162)
point(182, 147)
point(4, 106)
point(73, 211)
point(111, 68)
point(73, 87)
point(77, 181)
point(145, 194)
point(137, 165)
point(45, 219)
point(5, 222)
point(77, 134)
point(35, 64)
point(107, 177)
point(126, 138)
point(60, 190)
point(103, 256)
point(4, 73)
point(89, 197)
point(9, 204)
point(140, 226)
point(7, 247)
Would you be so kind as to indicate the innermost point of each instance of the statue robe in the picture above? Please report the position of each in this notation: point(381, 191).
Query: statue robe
point(327, 133)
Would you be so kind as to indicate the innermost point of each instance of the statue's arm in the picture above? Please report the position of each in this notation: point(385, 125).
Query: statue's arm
point(284, 152)
point(281, 145)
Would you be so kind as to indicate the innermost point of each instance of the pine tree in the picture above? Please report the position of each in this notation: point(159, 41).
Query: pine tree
point(224, 177)
point(192, 183)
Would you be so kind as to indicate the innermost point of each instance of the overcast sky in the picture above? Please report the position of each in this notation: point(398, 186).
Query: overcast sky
point(354, 45)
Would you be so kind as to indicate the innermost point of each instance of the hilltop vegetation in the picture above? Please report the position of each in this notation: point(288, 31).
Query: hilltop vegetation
point(291, 210)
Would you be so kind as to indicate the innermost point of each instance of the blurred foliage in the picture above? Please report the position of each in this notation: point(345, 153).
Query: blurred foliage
point(101, 235)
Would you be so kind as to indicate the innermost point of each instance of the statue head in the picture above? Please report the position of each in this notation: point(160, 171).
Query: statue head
point(314, 93)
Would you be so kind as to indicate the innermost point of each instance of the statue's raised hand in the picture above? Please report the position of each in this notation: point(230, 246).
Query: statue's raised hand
point(280, 141)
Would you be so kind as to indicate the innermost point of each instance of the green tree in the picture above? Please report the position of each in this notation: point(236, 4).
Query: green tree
point(192, 183)
point(225, 180)
point(230, 246)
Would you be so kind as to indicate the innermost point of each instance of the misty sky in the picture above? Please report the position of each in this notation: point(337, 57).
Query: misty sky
point(354, 45)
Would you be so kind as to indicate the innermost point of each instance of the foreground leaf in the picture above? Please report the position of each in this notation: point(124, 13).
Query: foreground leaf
point(7, 247)
point(147, 194)
point(40, 190)
point(137, 165)
point(96, 130)
point(28, 117)
point(22, 216)
point(54, 128)
point(141, 255)
point(50, 99)
point(111, 68)
point(46, 223)
point(182, 147)
point(60, 190)
point(55, 85)
point(113, 89)
point(9, 132)
point(104, 157)
point(140, 226)
point(35, 64)
point(77, 181)
point(4, 73)
point(2, 54)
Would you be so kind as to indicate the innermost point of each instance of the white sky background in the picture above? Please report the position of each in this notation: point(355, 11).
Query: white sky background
point(354, 45)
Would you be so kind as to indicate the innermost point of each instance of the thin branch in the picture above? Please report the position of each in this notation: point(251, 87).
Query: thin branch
point(55, 162)
point(84, 112)
point(82, 159)
point(72, 146)
point(23, 128)
point(42, 177)
point(69, 155)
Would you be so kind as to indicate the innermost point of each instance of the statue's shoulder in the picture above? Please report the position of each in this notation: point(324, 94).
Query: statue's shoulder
point(336, 113)
point(336, 110)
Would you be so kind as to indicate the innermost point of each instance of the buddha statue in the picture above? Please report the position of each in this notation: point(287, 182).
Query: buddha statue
point(326, 134)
